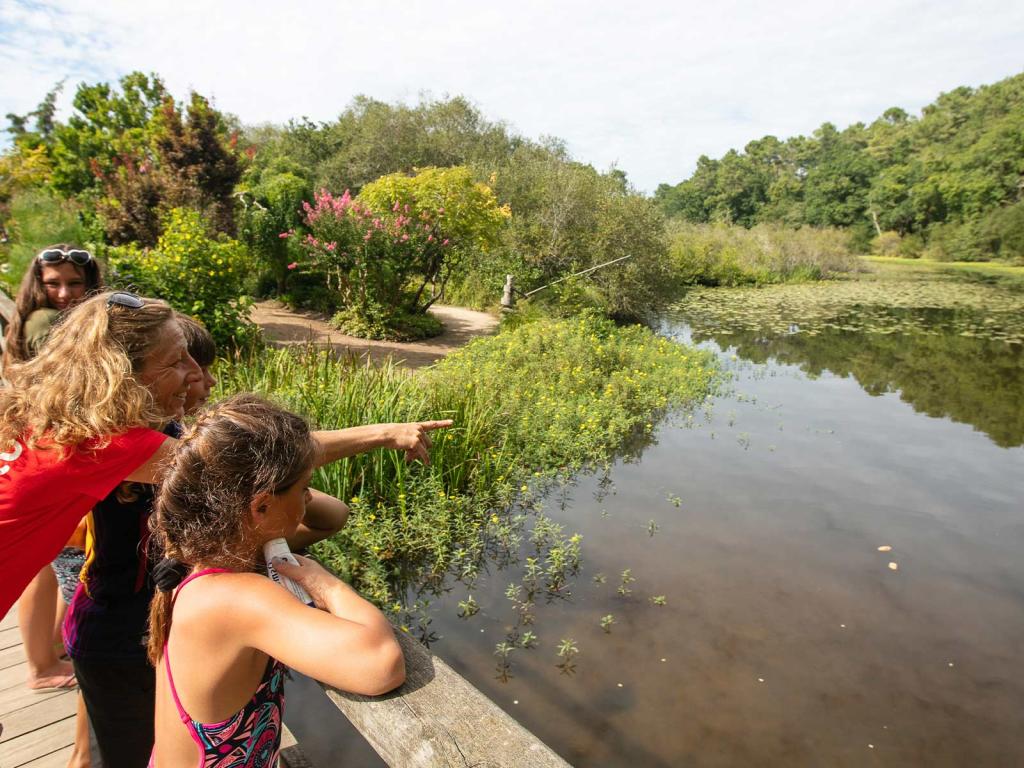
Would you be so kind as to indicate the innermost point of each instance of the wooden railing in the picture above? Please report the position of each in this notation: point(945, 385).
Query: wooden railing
point(437, 719)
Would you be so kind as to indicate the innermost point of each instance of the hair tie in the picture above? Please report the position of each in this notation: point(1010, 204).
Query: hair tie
point(169, 573)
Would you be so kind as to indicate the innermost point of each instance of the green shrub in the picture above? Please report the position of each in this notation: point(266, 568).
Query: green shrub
point(911, 246)
point(1004, 230)
point(200, 275)
point(374, 323)
point(308, 289)
point(719, 254)
point(887, 244)
point(269, 209)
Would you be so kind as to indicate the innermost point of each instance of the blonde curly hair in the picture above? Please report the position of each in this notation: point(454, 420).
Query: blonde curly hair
point(83, 384)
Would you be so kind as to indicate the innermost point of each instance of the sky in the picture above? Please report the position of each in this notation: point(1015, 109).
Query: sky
point(646, 87)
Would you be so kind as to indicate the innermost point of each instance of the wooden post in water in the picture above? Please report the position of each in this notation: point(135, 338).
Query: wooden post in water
point(437, 719)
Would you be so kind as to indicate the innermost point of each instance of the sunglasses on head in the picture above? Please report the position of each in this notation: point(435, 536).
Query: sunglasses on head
point(76, 256)
point(124, 299)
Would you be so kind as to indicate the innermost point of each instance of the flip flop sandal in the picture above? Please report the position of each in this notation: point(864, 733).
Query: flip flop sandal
point(68, 683)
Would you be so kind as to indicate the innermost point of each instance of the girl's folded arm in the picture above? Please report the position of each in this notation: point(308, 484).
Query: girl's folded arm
point(350, 646)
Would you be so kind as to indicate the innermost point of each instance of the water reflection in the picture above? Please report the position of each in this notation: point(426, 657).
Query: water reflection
point(974, 381)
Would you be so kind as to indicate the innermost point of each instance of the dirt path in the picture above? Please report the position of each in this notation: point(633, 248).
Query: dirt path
point(285, 327)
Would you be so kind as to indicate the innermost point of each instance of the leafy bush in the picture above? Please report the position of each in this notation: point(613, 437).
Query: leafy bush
point(886, 244)
point(566, 218)
point(395, 326)
point(467, 216)
point(997, 235)
point(269, 208)
point(1004, 228)
point(198, 274)
point(718, 254)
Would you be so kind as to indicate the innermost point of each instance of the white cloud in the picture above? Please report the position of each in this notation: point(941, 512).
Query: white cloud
point(648, 86)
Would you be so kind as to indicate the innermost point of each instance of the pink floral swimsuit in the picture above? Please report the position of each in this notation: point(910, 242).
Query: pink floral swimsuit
point(251, 738)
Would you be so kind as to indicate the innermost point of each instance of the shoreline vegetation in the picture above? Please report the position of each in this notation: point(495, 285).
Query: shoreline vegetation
point(533, 403)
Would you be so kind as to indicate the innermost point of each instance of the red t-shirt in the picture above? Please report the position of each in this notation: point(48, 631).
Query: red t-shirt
point(42, 498)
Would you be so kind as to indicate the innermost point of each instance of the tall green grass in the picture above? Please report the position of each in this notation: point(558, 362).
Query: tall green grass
point(546, 397)
point(719, 254)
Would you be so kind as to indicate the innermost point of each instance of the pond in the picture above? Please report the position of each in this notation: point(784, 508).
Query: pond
point(820, 567)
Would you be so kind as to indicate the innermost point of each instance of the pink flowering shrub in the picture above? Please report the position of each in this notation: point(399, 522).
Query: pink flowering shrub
point(382, 251)
point(369, 258)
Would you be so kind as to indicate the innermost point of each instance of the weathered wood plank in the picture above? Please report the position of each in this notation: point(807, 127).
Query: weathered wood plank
point(14, 675)
point(58, 759)
point(438, 719)
point(9, 638)
point(38, 743)
point(11, 619)
point(38, 715)
point(11, 656)
point(15, 698)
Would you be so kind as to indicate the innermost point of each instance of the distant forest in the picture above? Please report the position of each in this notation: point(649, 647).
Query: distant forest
point(948, 184)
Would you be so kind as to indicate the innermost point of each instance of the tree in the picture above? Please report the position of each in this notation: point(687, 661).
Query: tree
point(199, 166)
point(105, 127)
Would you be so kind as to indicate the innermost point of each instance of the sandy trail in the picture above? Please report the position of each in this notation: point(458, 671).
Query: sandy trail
point(284, 327)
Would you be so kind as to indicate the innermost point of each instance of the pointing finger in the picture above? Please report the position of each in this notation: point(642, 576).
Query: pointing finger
point(440, 424)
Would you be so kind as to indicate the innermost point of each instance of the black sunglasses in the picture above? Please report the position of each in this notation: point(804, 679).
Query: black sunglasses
point(76, 256)
point(125, 299)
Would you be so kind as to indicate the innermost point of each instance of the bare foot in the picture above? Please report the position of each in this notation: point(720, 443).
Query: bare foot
point(60, 675)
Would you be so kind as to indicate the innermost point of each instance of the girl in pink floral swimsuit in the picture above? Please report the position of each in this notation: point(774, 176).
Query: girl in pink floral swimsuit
point(238, 480)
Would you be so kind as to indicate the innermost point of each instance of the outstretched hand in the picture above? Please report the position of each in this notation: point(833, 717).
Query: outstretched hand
point(413, 438)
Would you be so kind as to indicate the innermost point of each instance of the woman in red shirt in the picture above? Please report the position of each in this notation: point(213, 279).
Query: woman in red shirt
point(81, 417)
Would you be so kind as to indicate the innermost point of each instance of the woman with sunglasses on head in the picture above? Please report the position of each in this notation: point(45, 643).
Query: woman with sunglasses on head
point(59, 278)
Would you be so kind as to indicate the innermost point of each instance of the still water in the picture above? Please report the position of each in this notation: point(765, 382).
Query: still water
point(786, 637)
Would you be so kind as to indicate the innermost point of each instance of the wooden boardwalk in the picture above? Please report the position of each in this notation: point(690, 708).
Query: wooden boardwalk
point(39, 728)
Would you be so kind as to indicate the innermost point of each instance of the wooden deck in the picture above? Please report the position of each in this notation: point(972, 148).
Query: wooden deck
point(38, 728)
